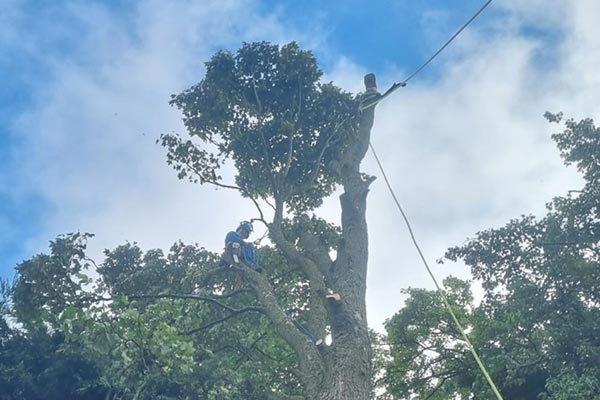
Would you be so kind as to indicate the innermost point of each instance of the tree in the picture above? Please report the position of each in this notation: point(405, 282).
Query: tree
point(292, 140)
point(176, 325)
point(36, 360)
point(538, 326)
point(151, 326)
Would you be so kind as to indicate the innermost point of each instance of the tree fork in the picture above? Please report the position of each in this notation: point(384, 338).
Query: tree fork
point(341, 371)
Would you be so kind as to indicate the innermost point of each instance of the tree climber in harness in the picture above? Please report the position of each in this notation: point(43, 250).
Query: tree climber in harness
point(237, 251)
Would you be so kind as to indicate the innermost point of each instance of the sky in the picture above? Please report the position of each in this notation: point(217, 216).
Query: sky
point(85, 85)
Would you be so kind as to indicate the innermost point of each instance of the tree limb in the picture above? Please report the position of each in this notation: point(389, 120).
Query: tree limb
point(266, 155)
point(232, 314)
point(315, 277)
point(308, 355)
point(288, 163)
point(210, 300)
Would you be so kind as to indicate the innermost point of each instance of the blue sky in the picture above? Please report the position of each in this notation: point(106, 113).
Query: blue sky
point(85, 86)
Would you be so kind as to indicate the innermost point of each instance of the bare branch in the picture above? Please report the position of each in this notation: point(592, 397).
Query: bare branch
point(207, 299)
point(288, 162)
point(269, 203)
point(318, 311)
point(438, 386)
point(225, 318)
point(241, 190)
point(260, 212)
point(210, 181)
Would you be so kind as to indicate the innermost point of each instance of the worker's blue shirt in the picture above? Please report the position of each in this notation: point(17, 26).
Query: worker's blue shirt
point(233, 237)
point(249, 255)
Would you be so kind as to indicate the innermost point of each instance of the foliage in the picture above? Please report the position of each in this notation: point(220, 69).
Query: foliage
point(132, 332)
point(538, 326)
point(177, 325)
point(265, 109)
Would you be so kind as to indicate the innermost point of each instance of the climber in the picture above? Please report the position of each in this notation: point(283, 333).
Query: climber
point(237, 251)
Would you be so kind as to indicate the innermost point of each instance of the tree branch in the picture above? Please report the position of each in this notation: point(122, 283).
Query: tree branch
point(315, 171)
point(206, 299)
point(316, 251)
point(210, 300)
point(258, 102)
point(283, 274)
point(232, 314)
point(318, 288)
point(308, 355)
point(288, 162)
point(241, 190)
point(266, 156)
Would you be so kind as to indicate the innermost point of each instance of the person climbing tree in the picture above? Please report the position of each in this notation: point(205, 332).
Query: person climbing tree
point(238, 251)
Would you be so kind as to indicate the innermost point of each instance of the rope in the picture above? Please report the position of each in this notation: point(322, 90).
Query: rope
point(260, 239)
point(412, 235)
point(403, 83)
point(439, 289)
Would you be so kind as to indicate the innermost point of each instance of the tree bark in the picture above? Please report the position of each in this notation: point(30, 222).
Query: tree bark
point(341, 371)
point(349, 367)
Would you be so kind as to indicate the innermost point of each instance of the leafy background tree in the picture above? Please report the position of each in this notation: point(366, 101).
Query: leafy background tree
point(151, 326)
point(538, 327)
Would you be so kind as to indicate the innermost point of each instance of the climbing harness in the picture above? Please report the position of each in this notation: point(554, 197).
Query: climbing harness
point(371, 101)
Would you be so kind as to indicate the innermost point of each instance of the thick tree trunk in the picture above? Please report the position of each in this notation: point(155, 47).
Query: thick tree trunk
point(341, 371)
point(349, 363)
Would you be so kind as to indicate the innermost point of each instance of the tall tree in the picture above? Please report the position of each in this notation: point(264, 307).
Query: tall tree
point(293, 140)
point(538, 326)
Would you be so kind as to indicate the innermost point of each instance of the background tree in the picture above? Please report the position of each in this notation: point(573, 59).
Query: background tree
point(151, 326)
point(36, 359)
point(538, 327)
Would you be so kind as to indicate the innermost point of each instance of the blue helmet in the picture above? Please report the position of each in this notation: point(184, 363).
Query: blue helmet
point(247, 226)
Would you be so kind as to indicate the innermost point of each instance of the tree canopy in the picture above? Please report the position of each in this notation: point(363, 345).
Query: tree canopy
point(265, 109)
point(538, 326)
point(152, 325)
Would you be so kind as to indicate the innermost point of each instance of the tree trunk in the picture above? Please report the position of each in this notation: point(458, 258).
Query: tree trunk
point(341, 371)
point(349, 365)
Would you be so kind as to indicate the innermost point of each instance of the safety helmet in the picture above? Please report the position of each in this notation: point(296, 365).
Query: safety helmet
point(247, 226)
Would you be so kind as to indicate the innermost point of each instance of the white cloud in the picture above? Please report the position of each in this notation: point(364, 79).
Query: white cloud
point(90, 139)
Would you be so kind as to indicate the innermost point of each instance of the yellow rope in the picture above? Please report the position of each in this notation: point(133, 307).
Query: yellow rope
point(439, 289)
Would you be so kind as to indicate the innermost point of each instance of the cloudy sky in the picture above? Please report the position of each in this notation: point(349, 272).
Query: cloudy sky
point(84, 90)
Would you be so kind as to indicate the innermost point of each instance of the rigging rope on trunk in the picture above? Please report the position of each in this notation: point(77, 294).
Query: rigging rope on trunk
point(373, 101)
